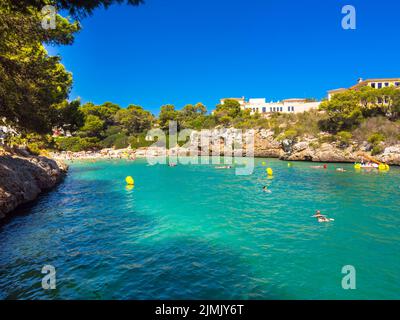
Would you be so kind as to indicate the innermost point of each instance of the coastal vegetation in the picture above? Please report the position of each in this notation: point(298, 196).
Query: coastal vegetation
point(343, 120)
point(35, 87)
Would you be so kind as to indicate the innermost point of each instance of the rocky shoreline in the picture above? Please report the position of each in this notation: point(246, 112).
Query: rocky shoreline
point(23, 177)
point(265, 146)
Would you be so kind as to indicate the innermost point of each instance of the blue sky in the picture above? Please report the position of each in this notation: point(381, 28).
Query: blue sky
point(189, 51)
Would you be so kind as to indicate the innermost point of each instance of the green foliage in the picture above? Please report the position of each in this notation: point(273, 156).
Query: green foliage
point(134, 119)
point(69, 116)
point(77, 8)
point(376, 138)
point(226, 112)
point(378, 149)
point(167, 114)
point(326, 139)
point(344, 112)
point(32, 83)
point(112, 130)
point(344, 137)
point(76, 144)
point(314, 145)
point(290, 134)
point(34, 148)
point(118, 141)
point(348, 109)
point(305, 123)
point(192, 116)
point(105, 112)
point(386, 127)
point(121, 142)
point(139, 141)
point(93, 126)
point(225, 120)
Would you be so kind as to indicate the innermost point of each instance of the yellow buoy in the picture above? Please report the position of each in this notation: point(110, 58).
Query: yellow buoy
point(289, 164)
point(383, 167)
point(129, 181)
point(357, 166)
point(264, 163)
point(270, 172)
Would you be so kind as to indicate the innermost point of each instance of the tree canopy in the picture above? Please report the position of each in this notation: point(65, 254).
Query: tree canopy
point(347, 109)
point(77, 8)
point(32, 83)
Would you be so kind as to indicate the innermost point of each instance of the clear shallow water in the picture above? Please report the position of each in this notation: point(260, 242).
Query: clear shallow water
point(193, 232)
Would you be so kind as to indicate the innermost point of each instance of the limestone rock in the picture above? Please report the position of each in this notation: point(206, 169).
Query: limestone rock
point(391, 155)
point(23, 177)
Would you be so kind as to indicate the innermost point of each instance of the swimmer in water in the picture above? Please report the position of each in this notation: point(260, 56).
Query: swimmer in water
point(224, 167)
point(319, 167)
point(266, 190)
point(320, 217)
point(340, 170)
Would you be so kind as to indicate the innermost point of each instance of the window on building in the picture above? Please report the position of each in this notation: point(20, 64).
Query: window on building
point(274, 109)
point(281, 109)
point(270, 109)
point(397, 84)
point(264, 109)
point(373, 85)
point(379, 85)
point(380, 100)
point(386, 84)
point(288, 109)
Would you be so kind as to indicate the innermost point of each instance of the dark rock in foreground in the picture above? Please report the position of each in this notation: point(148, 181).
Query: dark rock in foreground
point(23, 177)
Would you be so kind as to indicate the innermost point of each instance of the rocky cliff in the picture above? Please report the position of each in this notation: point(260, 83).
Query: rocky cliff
point(266, 145)
point(23, 177)
point(300, 149)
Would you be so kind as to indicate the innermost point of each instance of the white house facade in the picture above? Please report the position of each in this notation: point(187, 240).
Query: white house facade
point(261, 106)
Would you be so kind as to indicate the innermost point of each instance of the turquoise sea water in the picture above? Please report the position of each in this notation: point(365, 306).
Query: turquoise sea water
point(194, 232)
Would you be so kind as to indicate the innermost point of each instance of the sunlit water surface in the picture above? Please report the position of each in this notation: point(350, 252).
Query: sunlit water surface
point(194, 232)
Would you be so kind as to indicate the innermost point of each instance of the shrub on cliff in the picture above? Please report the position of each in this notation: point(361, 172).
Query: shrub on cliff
point(344, 138)
point(347, 110)
point(382, 125)
point(378, 149)
point(290, 134)
point(33, 148)
point(376, 138)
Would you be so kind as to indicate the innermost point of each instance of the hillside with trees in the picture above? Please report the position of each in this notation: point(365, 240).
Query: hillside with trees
point(35, 88)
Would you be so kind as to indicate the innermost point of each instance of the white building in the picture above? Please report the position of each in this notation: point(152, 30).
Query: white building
point(261, 106)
